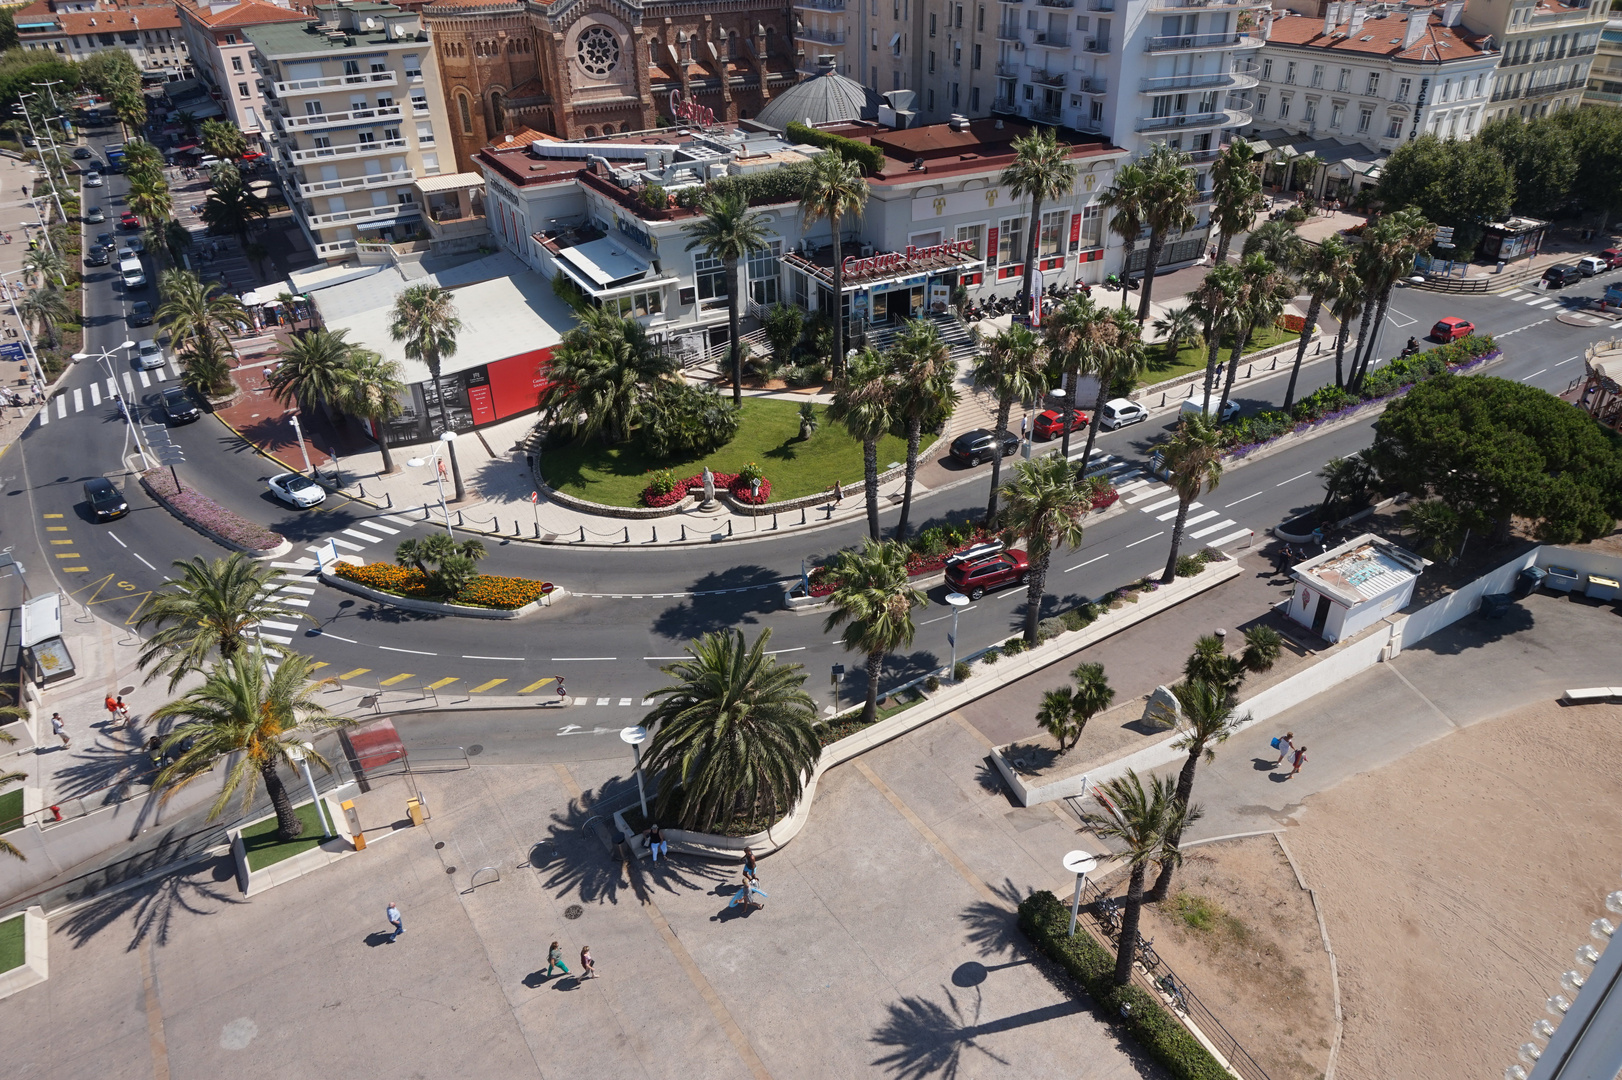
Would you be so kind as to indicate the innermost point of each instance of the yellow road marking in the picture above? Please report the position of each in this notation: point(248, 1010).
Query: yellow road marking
point(51, 515)
point(68, 555)
point(482, 687)
point(318, 665)
point(440, 684)
point(352, 674)
point(56, 528)
point(535, 685)
point(395, 679)
point(63, 541)
point(73, 569)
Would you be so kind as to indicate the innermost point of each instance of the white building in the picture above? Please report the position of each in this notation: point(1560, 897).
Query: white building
point(1605, 76)
point(1545, 50)
point(1348, 589)
point(217, 37)
point(77, 29)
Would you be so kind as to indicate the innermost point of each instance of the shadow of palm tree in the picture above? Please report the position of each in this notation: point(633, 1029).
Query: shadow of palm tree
point(576, 856)
point(202, 889)
point(994, 927)
point(113, 774)
point(929, 1039)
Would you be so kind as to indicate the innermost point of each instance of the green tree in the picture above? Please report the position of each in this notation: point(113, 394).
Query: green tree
point(1045, 505)
point(1012, 369)
point(924, 391)
point(1597, 137)
point(1215, 301)
point(1277, 240)
point(232, 209)
point(225, 141)
point(866, 404)
point(110, 72)
point(734, 736)
point(1042, 172)
point(1179, 327)
point(447, 565)
point(1076, 336)
point(253, 720)
point(176, 241)
point(193, 309)
point(149, 198)
point(130, 108)
point(44, 263)
point(1169, 196)
point(836, 190)
point(1347, 307)
point(313, 370)
point(1325, 270)
point(371, 387)
point(1208, 719)
point(1236, 193)
point(1121, 360)
point(785, 324)
point(1193, 458)
point(603, 374)
point(1436, 524)
point(1139, 822)
point(1263, 646)
point(206, 366)
point(1542, 158)
point(8, 32)
point(424, 319)
point(1064, 712)
point(1266, 288)
point(142, 159)
point(728, 230)
point(210, 608)
point(1211, 664)
point(1462, 184)
point(873, 600)
point(48, 310)
point(1395, 240)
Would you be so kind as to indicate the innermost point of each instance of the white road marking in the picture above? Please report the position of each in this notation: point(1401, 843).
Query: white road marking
point(296, 589)
point(1152, 507)
point(277, 638)
point(625, 702)
point(1207, 516)
point(413, 652)
point(1146, 539)
point(1230, 538)
point(45, 415)
point(145, 382)
point(335, 637)
point(560, 659)
point(602, 701)
point(95, 395)
point(396, 520)
point(368, 537)
point(341, 543)
point(78, 399)
point(278, 625)
point(384, 529)
point(1534, 374)
point(1208, 530)
point(1236, 502)
point(293, 601)
point(519, 658)
point(1293, 479)
point(1089, 562)
point(120, 542)
point(780, 652)
point(1124, 488)
point(148, 565)
point(301, 564)
point(61, 408)
point(112, 389)
point(676, 657)
point(129, 385)
point(1169, 514)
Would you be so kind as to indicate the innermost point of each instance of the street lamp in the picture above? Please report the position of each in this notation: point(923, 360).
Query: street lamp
point(118, 394)
point(449, 439)
point(958, 602)
point(27, 338)
point(1079, 863)
point(298, 433)
point(296, 753)
point(439, 478)
point(636, 736)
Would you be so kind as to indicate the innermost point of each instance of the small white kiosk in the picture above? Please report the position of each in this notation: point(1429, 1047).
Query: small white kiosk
point(1349, 588)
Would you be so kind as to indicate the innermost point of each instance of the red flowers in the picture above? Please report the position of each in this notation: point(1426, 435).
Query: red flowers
point(740, 488)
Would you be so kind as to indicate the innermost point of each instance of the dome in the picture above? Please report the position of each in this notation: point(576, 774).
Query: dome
point(826, 97)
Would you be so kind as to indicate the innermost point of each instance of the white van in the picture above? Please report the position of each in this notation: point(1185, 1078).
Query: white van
point(1197, 405)
point(131, 270)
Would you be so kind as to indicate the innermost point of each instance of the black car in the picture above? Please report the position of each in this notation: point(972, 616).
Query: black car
point(81, 153)
point(97, 256)
point(140, 313)
point(973, 447)
point(178, 407)
point(1561, 275)
point(106, 240)
point(106, 501)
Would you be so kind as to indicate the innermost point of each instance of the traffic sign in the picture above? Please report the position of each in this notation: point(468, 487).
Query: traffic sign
point(13, 350)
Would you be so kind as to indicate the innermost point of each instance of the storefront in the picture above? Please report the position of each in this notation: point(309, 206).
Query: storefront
point(885, 287)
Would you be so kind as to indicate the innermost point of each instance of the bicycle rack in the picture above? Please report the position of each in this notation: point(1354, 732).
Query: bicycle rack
point(474, 882)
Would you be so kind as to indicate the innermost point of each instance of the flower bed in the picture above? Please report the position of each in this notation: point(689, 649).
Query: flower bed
point(735, 483)
point(210, 516)
point(489, 591)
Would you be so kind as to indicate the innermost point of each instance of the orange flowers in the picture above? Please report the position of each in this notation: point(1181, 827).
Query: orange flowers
point(504, 593)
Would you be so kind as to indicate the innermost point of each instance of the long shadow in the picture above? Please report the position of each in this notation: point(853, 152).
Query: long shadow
point(115, 773)
point(1476, 631)
point(994, 927)
point(202, 889)
point(574, 860)
point(930, 1039)
point(722, 608)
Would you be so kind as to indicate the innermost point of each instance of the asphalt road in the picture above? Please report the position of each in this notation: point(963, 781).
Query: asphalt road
point(633, 609)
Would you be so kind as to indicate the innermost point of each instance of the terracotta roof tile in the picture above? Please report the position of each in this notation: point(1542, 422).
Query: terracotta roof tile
point(246, 13)
point(1378, 37)
point(149, 17)
point(445, 5)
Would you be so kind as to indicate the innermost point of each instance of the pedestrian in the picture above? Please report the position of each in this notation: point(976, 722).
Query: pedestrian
point(747, 892)
point(1285, 746)
point(123, 712)
point(395, 921)
point(588, 968)
point(111, 705)
point(839, 492)
point(656, 843)
point(59, 728)
point(554, 959)
point(749, 870)
point(1300, 760)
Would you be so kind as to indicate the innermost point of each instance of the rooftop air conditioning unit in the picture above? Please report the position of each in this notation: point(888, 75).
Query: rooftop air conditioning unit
point(1019, 46)
point(867, 251)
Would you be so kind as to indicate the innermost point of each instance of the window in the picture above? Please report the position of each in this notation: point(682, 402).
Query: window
point(1403, 86)
point(873, 80)
point(365, 137)
point(932, 61)
point(975, 237)
point(1092, 227)
point(974, 100)
point(430, 163)
point(1364, 119)
point(413, 66)
point(977, 58)
point(1289, 72)
point(1030, 92)
point(1374, 84)
point(929, 104)
point(1345, 79)
point(1283, 108)
point(895, 80)
point(1447, 89)
point(1267, 70)
point(637, 305)
point(242, 89)
point(1050, 243)
point(230, 39)
point(1453, 126)
point(1480, 81)
point(711, 277)
point(765, 269)
point(1337, 115)
point(391, 134)
point(1261, 103)
point(1011, 241)
point(425, 133)
point(466, 114)
point(236, 64)
point(931, 24)
point(957, 54)
point(980, 18)
point(419, 101)
point(1394, 127)
point(1317, 74)
point(875, 43)
point(1309, 115)
point(957, 18)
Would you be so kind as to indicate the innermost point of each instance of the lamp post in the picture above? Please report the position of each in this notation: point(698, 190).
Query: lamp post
point(118, 394)
point(636, 736)
point(298, 433)
point(27, 338)
point(419, 462)
point(449, 439)
point(296, 753)
point(41, 147)
point(958, 602)
point(1079, 863)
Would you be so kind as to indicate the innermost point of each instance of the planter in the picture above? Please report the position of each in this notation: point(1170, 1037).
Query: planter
point(164, 498)
point(325, 852)
point(433, 607)
point(35, 967)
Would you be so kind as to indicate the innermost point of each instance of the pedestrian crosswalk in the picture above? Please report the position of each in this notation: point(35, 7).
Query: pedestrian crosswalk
point(1159, 501)
point(294, 587)
point(1537, 298)
point(106, 390)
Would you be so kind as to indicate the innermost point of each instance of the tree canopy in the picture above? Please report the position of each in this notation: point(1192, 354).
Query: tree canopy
point(1541, 157)
point(1462, 184)
point(1493, 449)
point(110, 72)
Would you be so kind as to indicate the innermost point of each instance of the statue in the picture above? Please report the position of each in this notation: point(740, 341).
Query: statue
point(709, 490)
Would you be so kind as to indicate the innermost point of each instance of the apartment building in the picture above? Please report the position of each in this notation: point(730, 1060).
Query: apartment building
point(77, 29)
point(357, 123)
point(1545, 50)
point(1605, 75)
point(222, 55)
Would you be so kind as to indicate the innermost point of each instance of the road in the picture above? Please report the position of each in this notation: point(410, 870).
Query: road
point(631, 610)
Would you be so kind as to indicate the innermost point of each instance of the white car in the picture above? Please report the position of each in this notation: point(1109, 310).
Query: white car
point(92, 179)
point(1197, 405)
point(148, 355)
point(1119, 412)
point(297, 490)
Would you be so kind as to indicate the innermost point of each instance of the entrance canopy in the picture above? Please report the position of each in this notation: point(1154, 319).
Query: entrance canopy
point(889, 268)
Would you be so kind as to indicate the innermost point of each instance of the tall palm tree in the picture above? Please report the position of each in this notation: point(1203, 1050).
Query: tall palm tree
point(873, 600)
point(1347, 306)
point(1399, 237)
point(209, 608)
point(1324, 270)
point(1140, 821)
point(231, 208)
point(835, 189)
point(1121, 359)
point(924, 391)
point(1065, 711)
point(734, 736)
point(312, 369)
point(1044, 506)
point(1074, 335)
point(1236, 193)
point(225, 141)
point(44, 263)
point(1278, 240)
point(1220, 292)
point(206, 366)
point(1126, 199)
point(176, 240)
point(192, 308)
point(425, 320)
point(149, 197)
point(866, 404)
point(602, 373)
point(252, 719)
point(1168, 208)
point(1042, 172)
point(130, 108)
point(141, 157)
point(1193, 458)
point(371, 386)
point(1309, 165)
point(1209, 718)
point(729, 231)
point(1012, 369)
point(1266, 287)
point(47, 309)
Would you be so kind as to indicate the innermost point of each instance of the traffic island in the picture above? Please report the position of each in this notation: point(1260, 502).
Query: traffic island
point(263, 861)
point(211, 519)
point(23, 946)
point(485, 597)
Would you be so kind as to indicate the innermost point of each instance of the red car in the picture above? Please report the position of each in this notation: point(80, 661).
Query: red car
point(1452, 328)
point(1612, 257)
point(975, 578)
point(1050, 425)
point(129, 221)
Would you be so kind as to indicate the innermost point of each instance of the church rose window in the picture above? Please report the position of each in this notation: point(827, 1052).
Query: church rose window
point(598, 51)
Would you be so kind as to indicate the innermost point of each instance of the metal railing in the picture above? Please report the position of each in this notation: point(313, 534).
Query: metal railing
point(311, 121)
point(1048, 78)
point(1200, 41)
point(329, 82)
point(826, 37)
point(1053, 39)
point(357, 149)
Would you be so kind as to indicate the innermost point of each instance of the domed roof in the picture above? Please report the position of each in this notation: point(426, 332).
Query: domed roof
point(825, 97)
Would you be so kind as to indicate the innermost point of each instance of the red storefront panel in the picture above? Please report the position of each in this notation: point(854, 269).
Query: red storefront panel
point(516, 382)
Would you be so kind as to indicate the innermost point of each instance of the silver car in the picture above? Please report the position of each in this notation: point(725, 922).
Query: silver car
point(92, 179)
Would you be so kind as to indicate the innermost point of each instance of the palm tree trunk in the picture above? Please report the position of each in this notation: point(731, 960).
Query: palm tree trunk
point(1004, 406)
point(838, 312)
point(1369, 302)
point(1125, 953)
point(1092, 429)
point(288, 825)
point(1224, 241)
point(1243, 333)
point(389, 468)
point(734, 346)
point(1185, 790)
point(1311, 324)
point(1213, 338)
point(1035, 231)
point(1033, 596)
point(1072, 379)
point(1368, 355)
point(1157, 243)
point(432, 360)
point(870, 473)
point(915, 435)
point(875, 666)
point(1176, 541)
point(1340, 354)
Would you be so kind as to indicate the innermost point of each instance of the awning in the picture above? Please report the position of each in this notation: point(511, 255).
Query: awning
point(188, 148)
point(429, 185)
point(386, 222)
point(604, 264)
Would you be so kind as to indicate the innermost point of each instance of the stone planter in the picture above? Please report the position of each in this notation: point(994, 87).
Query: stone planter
point(253, 882)
point(35, 967)
point(258, 553)
point(432, 607)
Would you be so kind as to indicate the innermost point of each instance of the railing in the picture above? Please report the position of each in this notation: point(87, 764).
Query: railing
point(1225, 117)
point(1048, 78)
point(1215, 5)
point(1092, 84)
point(1237, 80)
point(1057, 3)
point(1096, 45)
point(361, 149)
point(1053, 39)
point(827, 37)
point(1553, 88)
point(1100, 5)
point(1007, 71)
point(1007, 33)
point(1005, 105)
point(356, 183)
point(1047, 115)
point(336, 248)
point(315, 86)
point(1201, 41)
point(311, 121)
point(365, 213)
point(821, 5)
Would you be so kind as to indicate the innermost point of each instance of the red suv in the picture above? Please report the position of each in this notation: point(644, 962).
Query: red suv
point(974, 579)
point(1050, 425)
point(1612, 257)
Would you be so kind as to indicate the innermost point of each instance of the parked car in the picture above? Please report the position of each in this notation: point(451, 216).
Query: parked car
point(1592, 264)
point(148, 354)
point(1561, 275)
point(97, 256)
point(1119, 412)
point(1452, 328)
point(973, 447)
point(129, 221)
point(81, 153)
point(1197, 405)
point(107, 240)
point(93, 179)
point(140, 313)
point(1050, 424)
point(296, 490)
point(106, 501)
point(1612, 257)
point(178, 407)
point(975, 579)
point(94, 215)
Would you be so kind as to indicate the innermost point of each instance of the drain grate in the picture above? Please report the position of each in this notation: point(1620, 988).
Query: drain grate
point(450, 869)
point(573, 911)
point(475, 750)
point(439, 844)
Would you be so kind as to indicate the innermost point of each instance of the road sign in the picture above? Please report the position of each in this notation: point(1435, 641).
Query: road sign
point(535, 496)
point(839, 669)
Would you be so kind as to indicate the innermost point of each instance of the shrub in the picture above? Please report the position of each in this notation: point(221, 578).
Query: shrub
point(932, 684)
point(1048, 629)
point(655, 196)
point(1325, 399)
point(1189, 565)
point(960, 671)
point(190, 505)
point(750, 472)
point(797, 376)
point(932, 541)
point(1014, 646)
point(771, 186)
point(869, 157)
point(1295, 215)
point(1073, 619)
point(505, 593)
point(784, 325)
point(990, 656)
point(663, 482)
point(683, 420)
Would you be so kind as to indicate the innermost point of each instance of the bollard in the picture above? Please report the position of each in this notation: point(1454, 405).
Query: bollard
point(582, 534)
point(655, 539)
point(1275, 364)
point(459, 519)
point(684, 530)
point(1190, 389)
point(388, 501)
point(537, 530)
point(1248, 368)
point(627, 534)
point(1162, 399)
point(729, 526)
point(774, 520)
point(802, 515)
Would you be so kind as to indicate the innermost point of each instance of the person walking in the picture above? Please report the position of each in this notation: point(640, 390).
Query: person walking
point(588, 967)
point(122, 711)
point(1285, 746)
point(59, 728)
point(111, 705)
point(554, 959)
point(395, 921)
point(747, 892)
point(749, 870)
point(656, 843)
point(1300, 760)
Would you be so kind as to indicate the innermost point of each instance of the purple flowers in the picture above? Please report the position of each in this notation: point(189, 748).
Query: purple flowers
point(209, 515)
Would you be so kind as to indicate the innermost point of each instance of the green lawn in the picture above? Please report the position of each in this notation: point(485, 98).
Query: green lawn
point(11, 810)
point(11, 943)
point(265, 850)
point(1190, 358)
point(768, 434)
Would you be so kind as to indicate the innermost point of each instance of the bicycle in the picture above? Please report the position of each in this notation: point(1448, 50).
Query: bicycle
point(1109, 914)
point(1174, 990)
point(1146, 953)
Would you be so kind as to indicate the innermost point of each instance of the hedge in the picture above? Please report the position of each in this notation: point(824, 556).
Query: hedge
point(1045, 919)
point(869, 157)
point(779, 185)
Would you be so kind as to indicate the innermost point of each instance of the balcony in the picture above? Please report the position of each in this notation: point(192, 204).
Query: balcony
point(1005, 105)
point(820, 5)
point(1048, 78)
point(1231, 117)
point(1554, 88)
point(318, 121)
point(348, 150)
point(1057, 3)
point(1205, 5)
point(356, 183)
point(1007, 33)
point(1196, 42)
point(1007, 71)
point(826, 37)
point(335, 249)
point(1601, 95)
point(1092, 84)
point(1095, 45)
point(1053, 39)
point(334, 82)
point(1222, 80)
point(364, 214)
point(1047, 114)
point(1100, 5)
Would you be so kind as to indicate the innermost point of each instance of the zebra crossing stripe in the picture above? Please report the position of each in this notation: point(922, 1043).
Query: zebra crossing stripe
point(372, 524)
point(368, 537)
point(61, 408)
point(95, 395)
point(1161, 504)
point(78, 399)
point(1230, 538)
point(1207, 516)
point(1169, 514)
point(1211, 529)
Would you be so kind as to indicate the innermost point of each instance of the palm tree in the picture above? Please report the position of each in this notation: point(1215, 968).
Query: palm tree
point(1263, 646)
point(232, 209)
point(866, 404)
point(210, 607)
point(44, 263)
point(729, 231)
point(1075, 334)
point(1180, 326)
point(1126, 201)
point(1042, 172)
point(312, 369)
point(176, 239)
point(370, 386)
point(1121, 359)
point(1193, 458)
point(1277, 240)
point(1065, 711)
point(1220, 292)
point(1399, 237)
point(1324, 271)
point(835, 189)
point(1236, 194)
point(425, 319)
point(735, 735)
point(130, 108)
point(142, 158)
point(1045, 506)
point(602, 373)
point(1436, 524)
point(1266, 289)
point(194, 309)
point(873, 600)
point(1309, 164)
point(1168, 207)
point(47, 309)
point(924, 376)
point(1208, 719)
point(1140, 821)
point(1011, 369)
point(252, 719)
point(225, 141)
point(1348, 305)
point(149, 197)
point(206, 366)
